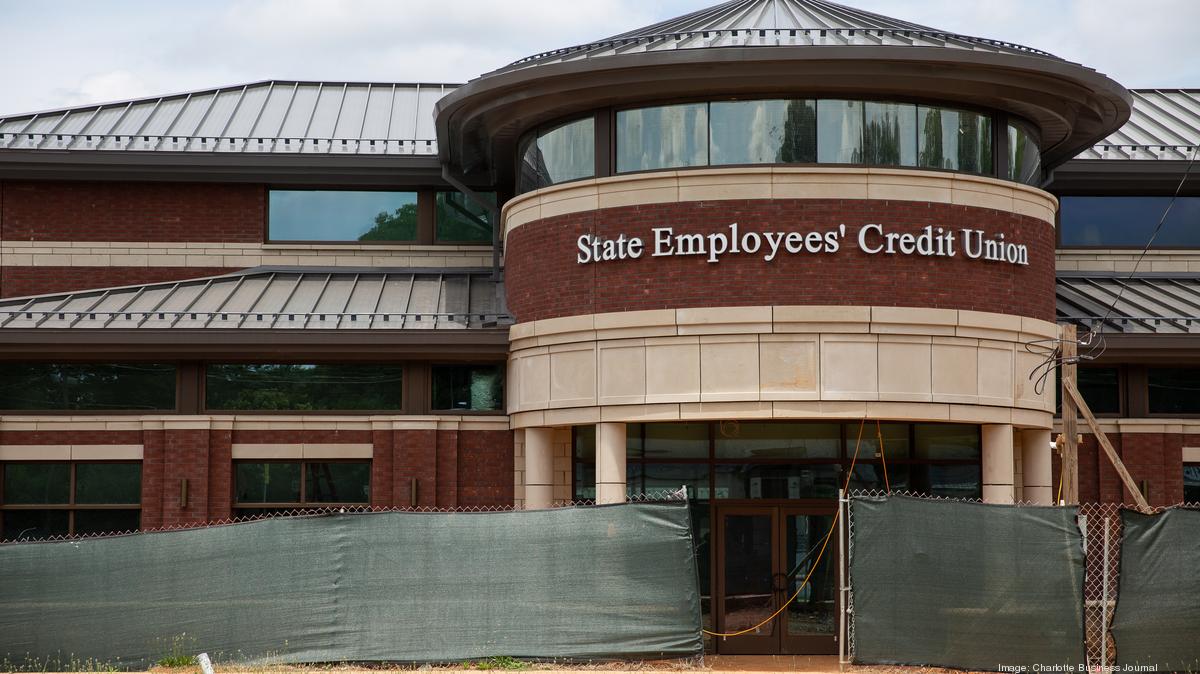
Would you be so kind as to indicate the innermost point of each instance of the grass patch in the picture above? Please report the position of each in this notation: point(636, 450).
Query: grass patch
point(498, 662)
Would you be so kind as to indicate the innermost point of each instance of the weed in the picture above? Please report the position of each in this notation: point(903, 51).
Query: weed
point(499, 662)
point(179, 652)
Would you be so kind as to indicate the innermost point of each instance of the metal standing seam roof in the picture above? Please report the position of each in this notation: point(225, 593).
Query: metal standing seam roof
point(1149, 303)
point(275, 298)
point(766, 23)
point(273, 116)
point(1165, 124)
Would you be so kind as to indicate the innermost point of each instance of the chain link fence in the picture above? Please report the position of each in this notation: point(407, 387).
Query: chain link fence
point(655, 496)
point(1101, 529)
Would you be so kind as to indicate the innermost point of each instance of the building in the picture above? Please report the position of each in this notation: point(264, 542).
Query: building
point(736, 250)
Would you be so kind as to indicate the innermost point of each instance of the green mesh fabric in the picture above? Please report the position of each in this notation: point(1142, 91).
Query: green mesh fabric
point(1156, 625)
point(966, 585)
point(573, 583)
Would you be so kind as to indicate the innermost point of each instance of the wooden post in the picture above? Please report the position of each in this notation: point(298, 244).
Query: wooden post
point(1070, 421)
point(1126, 478)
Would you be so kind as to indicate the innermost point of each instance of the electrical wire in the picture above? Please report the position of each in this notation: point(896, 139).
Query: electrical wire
point(883, 457)
point(824, 544)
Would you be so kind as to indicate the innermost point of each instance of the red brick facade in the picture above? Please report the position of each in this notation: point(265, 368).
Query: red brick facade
point(544, 280)
point(1155, 458)
point(132, 211)
point(452, 468)
point(21, 281)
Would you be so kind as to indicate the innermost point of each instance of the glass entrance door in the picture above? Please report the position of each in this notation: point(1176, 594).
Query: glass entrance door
point(764, 554)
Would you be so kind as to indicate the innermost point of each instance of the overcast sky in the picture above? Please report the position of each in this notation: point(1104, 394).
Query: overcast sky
point(73, 52)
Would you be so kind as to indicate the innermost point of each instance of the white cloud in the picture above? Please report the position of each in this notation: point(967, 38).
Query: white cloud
point(75, 51)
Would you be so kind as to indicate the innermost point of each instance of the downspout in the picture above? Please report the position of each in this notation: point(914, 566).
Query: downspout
point(493, 211)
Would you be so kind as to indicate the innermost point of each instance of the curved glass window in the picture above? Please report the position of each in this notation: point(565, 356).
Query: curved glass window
point(955, 140)
point(558, 154)
point(780, 132)
point(664, 137)
point(1024, 157)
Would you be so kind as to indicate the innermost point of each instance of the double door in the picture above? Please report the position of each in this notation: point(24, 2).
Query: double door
point(764, 553)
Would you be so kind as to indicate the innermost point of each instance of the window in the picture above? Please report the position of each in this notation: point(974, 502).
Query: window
point(303, 387)
point(762, 132)
point(468, 387)
point(1174, 390)
point(558, 154)
point(459, 219)
point(1101, 388)
point(954, 139)
point(789, 460)
point(839, 132)
point(46, 498)
point(890, 134)
point(664, 137)
point(1024, 156)
point(1128, 222)
point(263, 488)
point(87, 386)
point(1191, 483)
point(342, 215)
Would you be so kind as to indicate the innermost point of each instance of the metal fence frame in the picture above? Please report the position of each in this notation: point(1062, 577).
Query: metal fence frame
point(1100, 524)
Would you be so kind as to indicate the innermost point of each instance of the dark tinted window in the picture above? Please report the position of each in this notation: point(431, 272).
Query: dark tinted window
point(108, 483)
point(268, 482)
point(461, 220)
point(1128, 222)
point(98, 487)
point(337, 483)
point(468, 387)
point(86, 386)
point(342, 215)
point(1101, 389)
point(946, 442)
point(749, 440)
point(299, 387)
point(1174, 390)
point(1191, 483)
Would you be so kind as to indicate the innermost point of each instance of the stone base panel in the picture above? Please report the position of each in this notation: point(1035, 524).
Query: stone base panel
point(1124, 260)
point(216, 254)
point(781, 363)
point(779, 182)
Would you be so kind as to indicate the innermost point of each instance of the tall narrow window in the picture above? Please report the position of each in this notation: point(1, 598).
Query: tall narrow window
point(839, 132)
point(45, 499)
point(1024, 156)
point(890, 134)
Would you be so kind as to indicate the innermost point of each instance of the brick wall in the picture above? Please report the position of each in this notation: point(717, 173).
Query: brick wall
point(544, 280)
point(1156, 458)
point(21, 281)
point(132, 211)
point(453, 468)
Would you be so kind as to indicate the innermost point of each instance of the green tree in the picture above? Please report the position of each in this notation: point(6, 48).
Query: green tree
point(400, 225)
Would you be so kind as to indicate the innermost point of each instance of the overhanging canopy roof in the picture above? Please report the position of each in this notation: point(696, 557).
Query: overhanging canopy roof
point(1146, 304)
point(347, 314)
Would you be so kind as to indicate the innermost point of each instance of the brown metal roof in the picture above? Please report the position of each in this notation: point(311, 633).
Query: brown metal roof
point(266, 298)
point(1147, 303)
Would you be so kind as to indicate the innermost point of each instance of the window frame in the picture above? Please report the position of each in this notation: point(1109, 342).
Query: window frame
point(71, 506)
point(302, 504)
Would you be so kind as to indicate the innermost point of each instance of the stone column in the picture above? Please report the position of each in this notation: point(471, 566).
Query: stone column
point(1037, 466)
point(998, 464)
point(539, 467)
point(610, 463)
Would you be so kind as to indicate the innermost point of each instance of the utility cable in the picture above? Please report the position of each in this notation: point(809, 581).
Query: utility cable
point(883, 457)
point(820, 554)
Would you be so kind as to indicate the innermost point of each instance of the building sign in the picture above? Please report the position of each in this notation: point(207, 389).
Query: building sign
point(872, 239)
